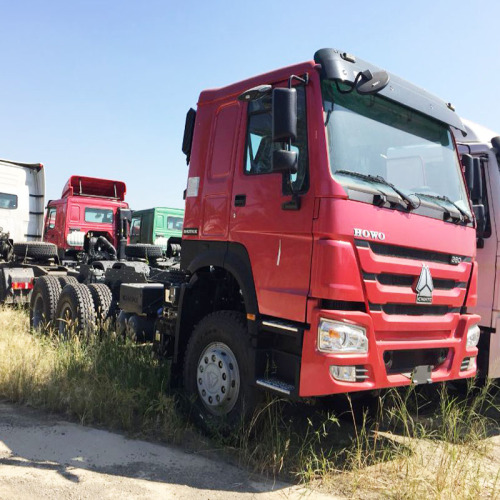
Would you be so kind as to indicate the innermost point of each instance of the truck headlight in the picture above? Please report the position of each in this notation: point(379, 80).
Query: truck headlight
point(338, 337)
point(473, 336)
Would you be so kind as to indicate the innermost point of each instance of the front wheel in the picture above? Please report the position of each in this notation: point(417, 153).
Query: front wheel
point(217, 370)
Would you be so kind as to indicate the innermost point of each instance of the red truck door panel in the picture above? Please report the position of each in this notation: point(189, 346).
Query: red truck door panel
point(278, 241)
point(217, 191)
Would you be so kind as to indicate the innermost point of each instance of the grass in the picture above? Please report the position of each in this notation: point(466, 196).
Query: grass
point(98, 381)
point(433, 442)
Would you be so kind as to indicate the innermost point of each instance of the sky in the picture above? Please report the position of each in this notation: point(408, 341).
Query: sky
point(101, 88)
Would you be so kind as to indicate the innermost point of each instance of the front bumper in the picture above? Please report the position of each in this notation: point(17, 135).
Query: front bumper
point(447, 335)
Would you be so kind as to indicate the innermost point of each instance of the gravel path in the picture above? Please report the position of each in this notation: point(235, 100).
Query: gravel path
point(44, 457)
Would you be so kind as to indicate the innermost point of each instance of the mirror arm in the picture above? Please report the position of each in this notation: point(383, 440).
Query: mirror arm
point(304, 79)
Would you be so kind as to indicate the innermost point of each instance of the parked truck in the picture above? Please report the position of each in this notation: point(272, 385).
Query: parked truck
point(160, 226)
point(23, 256)
point(328, 241)
point(88, 209)
point(480, 150)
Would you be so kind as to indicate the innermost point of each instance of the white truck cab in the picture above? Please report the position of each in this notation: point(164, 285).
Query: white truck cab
point(483, 145)
point(23, 256)
point(22, 191)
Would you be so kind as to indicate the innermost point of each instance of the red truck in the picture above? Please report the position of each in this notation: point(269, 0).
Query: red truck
point(328, 242)
point(88, 207)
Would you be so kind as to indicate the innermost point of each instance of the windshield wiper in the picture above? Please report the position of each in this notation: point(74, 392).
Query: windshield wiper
point(410, 204)
point(465, 216)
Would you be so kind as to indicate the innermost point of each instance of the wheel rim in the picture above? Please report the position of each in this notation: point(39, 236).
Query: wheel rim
point(218, 378)
point(66, 319)
point(38, 315)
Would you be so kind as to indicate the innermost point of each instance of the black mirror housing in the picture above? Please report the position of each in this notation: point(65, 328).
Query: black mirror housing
point(284, 114)
point(372, 83)
point(480, 215)
point(187, 140)
point(477, 191)
point(468, 163)
point(285, 161)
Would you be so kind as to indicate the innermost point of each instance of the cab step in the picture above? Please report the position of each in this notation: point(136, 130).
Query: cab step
point(276, 385)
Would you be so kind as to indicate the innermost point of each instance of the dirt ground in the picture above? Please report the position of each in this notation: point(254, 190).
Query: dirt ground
point(44, 457)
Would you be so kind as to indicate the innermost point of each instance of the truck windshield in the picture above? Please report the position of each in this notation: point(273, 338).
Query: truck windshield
point(99, 215)
point(375, 137)
point(8, 201)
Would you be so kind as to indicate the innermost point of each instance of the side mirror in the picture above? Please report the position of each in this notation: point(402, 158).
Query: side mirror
point(495, 142)
point(480, 214)
point(187, 140)
point(285, 161)
point(284, 115)
point(371, 83)
point(468, 163)
point(477, 190)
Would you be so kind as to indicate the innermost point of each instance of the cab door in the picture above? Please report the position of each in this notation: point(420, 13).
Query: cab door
point(50, 232)
point(273, 226)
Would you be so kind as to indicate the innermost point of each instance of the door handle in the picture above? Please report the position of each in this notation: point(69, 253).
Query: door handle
point(240, 200)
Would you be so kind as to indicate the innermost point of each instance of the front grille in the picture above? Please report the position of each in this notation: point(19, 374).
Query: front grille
point(342, 305)
point(465, 364)
point(409, 253)
point(414, 309)
point(406, 360)
point(361, 374)
point(405, 280)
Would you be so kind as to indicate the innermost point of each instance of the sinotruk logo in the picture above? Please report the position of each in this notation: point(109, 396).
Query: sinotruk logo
point(425, 286)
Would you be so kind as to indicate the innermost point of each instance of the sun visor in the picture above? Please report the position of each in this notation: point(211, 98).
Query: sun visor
point(344, 67)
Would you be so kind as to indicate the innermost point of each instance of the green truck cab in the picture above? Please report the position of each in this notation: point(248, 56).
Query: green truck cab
point(160, 226)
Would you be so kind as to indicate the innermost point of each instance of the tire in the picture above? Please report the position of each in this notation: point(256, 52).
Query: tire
point(43, 302)
point(67, 280)
point(143, 251)
point(3, 291)
point(216, 372)
point(75, 311)
point(102, 299)
point(36, 250)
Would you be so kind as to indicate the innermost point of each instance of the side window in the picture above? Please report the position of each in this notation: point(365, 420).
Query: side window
point(259, 144)
point(135, 228)
point(51, 218)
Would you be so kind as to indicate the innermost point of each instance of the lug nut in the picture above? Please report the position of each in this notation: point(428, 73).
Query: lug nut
point(220, 364)
point(213, 358)
point(224, 376)
point(223, 389)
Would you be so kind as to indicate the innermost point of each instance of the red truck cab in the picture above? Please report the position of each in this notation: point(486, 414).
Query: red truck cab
point(87, 205)
point(362, 253)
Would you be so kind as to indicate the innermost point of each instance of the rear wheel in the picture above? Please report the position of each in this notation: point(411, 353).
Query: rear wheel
point(43, 301)
point(75, 311)
point(217, 371)
point(3, 291)
point(67, 280)
point(102, 299)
